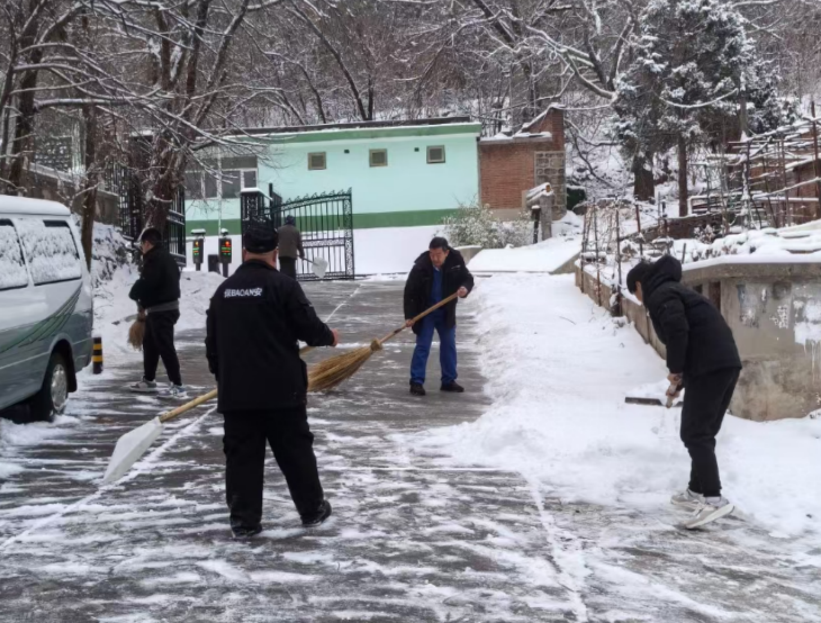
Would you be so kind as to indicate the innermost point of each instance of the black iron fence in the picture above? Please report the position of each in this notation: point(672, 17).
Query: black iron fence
point(325, 221)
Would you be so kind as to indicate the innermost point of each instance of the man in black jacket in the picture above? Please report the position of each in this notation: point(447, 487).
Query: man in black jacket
point(157, 293)
point(703, 359)
point(254, 322)
point(437, 274)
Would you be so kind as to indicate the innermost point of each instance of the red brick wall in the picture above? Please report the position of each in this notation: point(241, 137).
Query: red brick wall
point(507, 168)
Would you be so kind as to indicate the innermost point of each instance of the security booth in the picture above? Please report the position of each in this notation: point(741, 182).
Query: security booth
point(226, 251)
point(198, 247)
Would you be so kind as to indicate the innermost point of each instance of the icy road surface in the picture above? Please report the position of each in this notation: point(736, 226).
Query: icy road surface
point(417, 534)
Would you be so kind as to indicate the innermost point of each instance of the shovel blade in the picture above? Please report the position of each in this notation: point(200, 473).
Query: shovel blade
point(320, 267)
point(130, 447)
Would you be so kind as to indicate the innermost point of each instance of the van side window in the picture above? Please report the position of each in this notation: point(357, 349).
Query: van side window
point(50, 250)
point(12, 266)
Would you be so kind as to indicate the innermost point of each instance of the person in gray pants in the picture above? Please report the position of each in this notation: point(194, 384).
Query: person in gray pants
point(290, 247)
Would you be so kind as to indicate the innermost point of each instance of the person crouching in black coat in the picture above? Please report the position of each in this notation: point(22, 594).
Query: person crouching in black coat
point(254, 323)
point(702, 357)
point(436, 274)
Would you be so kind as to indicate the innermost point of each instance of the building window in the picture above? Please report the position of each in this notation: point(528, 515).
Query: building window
point(249, 179)
point(436, 154)
point(206, 185)
point(379, 157)
point(193, 184)
point(316, 162)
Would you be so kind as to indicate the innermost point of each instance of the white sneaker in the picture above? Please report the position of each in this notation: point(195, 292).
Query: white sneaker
point(174, 391)
point(708, 512)
point(688, 499)
point(144, 387)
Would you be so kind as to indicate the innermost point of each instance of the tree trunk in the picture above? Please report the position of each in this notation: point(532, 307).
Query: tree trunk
point(21, 145)
point(644, 188)
point(682, 176)
point(91, 182)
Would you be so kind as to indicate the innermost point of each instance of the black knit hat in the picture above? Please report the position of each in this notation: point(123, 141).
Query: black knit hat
point(260, 237)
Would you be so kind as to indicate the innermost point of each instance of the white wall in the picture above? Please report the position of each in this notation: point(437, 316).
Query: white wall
point(376, 251)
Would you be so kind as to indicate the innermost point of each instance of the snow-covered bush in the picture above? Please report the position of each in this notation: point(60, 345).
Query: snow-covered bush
point(477, 225)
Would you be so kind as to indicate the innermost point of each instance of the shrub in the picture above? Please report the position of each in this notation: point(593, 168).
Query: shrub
point(477, 225)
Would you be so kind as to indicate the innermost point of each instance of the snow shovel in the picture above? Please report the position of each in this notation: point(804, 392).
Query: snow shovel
point(320, 266)
point(654, 402)
point(131, 446)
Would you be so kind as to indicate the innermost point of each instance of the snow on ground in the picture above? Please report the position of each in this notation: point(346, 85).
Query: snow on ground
point(559, 369)
point(114, 311)
point(545, 256)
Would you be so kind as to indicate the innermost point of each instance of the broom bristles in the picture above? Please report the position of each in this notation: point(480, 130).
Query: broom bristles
point(333, 371)
point(136, 334)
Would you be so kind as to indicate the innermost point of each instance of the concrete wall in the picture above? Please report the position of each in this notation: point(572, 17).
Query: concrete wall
point(774, 311)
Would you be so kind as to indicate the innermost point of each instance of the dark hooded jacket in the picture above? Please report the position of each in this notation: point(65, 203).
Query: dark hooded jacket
point(420, 281)
point(697, 337)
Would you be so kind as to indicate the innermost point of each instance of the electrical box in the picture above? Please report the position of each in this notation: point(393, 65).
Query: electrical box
point(197, 246)
point(226, 250)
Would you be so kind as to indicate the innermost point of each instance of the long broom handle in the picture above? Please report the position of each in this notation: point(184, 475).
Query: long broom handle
point(170, 415)
point(396, 332)
point(430, 310)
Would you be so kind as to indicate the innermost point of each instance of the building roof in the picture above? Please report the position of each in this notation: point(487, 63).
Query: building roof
point(438, 126)
point(361, 125)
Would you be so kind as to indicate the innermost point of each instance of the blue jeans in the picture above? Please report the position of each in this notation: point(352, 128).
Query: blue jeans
point(447, 349)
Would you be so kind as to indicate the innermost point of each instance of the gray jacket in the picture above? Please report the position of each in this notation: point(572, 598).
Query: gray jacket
point(290, 242)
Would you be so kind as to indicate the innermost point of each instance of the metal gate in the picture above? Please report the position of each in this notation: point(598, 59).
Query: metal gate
point(126, 184)
point(324, 220)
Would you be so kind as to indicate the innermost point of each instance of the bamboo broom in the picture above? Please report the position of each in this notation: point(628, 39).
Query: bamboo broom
point(335, 370)
point(136, 333)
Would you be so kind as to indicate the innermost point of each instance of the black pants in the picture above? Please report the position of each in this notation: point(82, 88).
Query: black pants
point(291, 441)
point(706, 400)
point(287, 266)
point(159, 343)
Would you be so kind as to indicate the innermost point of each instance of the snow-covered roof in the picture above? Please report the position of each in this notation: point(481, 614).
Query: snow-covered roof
point(23, 205)
point(519, 136)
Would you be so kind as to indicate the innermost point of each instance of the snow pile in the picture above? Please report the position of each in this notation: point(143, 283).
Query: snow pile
point(114, 311)
point(545, 256)
point(559, 369)
point(109, 252)
point(763, 243)
point(12, 267)
point(51, 251)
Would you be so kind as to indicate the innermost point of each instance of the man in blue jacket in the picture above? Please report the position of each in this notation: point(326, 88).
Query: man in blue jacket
point(437, 273)
point(702, 358)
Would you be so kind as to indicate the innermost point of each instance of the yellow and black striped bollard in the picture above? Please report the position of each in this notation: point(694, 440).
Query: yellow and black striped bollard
point(97, 356)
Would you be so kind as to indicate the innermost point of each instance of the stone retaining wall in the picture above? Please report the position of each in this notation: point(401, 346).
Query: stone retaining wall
point(774, 311)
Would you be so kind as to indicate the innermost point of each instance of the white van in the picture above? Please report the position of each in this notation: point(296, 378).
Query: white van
point(45, 305)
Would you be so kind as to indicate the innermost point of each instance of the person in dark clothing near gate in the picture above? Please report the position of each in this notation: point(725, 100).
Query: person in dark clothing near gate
point(702, 358)
point(254, 322)
point(437, 273)
point(157, 293)
point(290, 247)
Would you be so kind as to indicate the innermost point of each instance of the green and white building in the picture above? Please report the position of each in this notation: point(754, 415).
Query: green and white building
point(405, 177)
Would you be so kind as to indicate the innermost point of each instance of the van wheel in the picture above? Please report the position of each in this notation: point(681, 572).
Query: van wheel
point(53, 395)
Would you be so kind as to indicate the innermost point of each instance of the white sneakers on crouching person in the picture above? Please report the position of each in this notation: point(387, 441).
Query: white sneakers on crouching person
point(710, 510)
point(687, 499)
